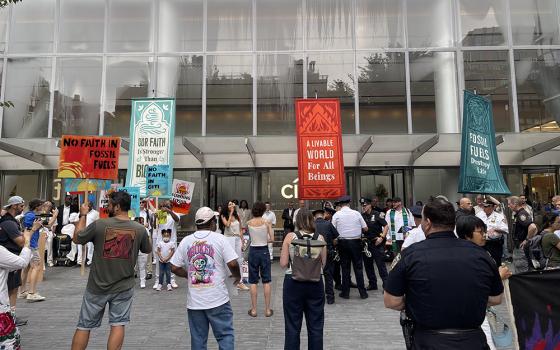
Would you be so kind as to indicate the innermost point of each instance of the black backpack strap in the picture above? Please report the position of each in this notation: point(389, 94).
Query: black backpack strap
point(298, 235)
point(315, 236)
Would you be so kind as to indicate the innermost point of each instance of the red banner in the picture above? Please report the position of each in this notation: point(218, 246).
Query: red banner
point(89, 157)
point(320, 157)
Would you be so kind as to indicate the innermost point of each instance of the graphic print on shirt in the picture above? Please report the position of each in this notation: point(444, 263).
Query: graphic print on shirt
point(118, 243)
point(201, 264)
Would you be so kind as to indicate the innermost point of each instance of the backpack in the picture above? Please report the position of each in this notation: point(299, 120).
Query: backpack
point(306, 263)
point(535, 252)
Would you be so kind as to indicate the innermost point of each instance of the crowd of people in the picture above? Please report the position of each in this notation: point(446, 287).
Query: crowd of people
point(446, 263)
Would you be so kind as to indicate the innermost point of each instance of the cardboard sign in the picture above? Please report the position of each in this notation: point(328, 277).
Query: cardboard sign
point(89, 157)
point(152, 132)
point(103, 200)
point(157, 180)
point(82, 185)
point(320, 156)
point(182, 194)
point(134, 193)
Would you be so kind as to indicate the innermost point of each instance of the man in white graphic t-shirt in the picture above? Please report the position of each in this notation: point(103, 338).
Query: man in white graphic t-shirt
point(206, 260)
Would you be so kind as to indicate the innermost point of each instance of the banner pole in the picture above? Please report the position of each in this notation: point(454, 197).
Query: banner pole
point(509, 306)
point(86, 201)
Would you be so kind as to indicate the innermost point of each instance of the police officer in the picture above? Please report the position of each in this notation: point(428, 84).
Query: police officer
point(330, 234)
point(350, 224)
point(496, 226)
point(375, 243)
point(437, 279)
point(523, 229)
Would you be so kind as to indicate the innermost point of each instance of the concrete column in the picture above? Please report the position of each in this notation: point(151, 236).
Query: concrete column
point(168, 39)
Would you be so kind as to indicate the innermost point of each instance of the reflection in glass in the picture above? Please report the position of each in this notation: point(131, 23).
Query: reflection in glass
point(279, 187)
point(430, 23)
point(230, 25)
point(77, 96)
point(28, 87)
point(331, 75)
point(21, 183)
point(279, 25)
point(488, 73)
point(534, 22)
point(181, 77)
point(127, 78)
point(329, 24)
point(130, 25)
point(538, 89)
point(32, 27)
point(229, 95)
point(382, 87)
point(483, 22)
point(379, 23)
point(81, 25)
point(279, 83)
point(433, 92)
point(180, 25)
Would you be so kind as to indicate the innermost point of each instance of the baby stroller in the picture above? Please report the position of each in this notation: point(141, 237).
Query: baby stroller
point(63, 241)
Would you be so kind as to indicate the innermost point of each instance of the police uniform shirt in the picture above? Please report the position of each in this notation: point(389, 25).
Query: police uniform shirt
point(446, 282)
point(375, 222)
point(495, 221)
point(328, 231)
point(348, 223)
point(521, 223)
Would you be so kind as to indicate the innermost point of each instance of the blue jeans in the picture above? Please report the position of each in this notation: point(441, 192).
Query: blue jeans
point(221, 320)
point(164, 271)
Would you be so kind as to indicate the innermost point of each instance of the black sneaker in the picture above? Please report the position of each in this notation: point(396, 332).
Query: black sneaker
point(371, 287)
point(344, 296)
point(364, 295)
point(20, 322)
point(338, 287)
point(330, 302)
point(149, 276)
point(353, 285)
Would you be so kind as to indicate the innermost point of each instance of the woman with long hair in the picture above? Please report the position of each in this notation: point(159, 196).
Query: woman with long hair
point(303, 298)
point(231, 227)
point(260, 232)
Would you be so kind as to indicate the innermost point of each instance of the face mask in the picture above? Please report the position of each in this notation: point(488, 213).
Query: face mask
point(166, 239)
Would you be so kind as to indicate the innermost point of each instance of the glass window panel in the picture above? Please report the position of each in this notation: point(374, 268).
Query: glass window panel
point(488, 72)
point(331, 75)
point(187, 221)
point(279, 25)
point(379, 23)
point(127, 78)
point(32, 28)
point(25, 184)
point(230, 25)
point(534, 22)
point(483, 22)
point(3, 28)
point(181, 77)
point(130, 25)
point(537, 75)
point(279, 82)
point(77, 96)
point(28, 83)
point(81, 25)
point(329, 24)
point(229, 95)
point(180, 25)
point(430, 23)
point(433, 91)
point(382, 86)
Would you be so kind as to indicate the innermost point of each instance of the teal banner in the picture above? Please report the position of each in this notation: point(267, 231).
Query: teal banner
point(134, 193)
point(158, 181)
point(480, 168)
point(152, 132)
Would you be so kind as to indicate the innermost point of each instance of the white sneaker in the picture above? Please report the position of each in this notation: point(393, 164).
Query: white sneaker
point(51, 264)
point(242, 286)
point(142, 284)
point(22, 295)
point(156, 285)
point(174, 284)
point(34, 297)
point(169, 287)
point(159, 287)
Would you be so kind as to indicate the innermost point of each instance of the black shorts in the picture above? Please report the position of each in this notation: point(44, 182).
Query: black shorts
point(14, 279)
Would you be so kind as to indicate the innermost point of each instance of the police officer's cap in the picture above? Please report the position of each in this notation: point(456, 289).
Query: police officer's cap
point(416, 211)
point(344, 199)
point(488, 203)
point(364, 200)
point(330, 211)
point(318, 211)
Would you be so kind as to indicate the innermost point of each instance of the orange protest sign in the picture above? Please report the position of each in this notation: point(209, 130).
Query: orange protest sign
point(92, 157)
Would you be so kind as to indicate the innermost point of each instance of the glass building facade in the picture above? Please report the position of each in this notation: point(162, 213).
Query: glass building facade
point(235, 68)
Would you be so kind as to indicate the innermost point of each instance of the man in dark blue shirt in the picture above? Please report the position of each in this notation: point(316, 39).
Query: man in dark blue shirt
point(448, 283)
point(330, 234)
point(375, 241)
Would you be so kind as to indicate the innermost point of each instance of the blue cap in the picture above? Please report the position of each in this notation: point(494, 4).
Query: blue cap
point(344, 199)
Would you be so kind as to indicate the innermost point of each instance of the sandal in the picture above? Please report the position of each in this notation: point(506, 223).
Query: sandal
point(269, 313)
point(250, 312)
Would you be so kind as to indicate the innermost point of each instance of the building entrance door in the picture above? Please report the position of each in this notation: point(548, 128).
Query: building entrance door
point(539, 185)
point(382, 184)
point(227, 185)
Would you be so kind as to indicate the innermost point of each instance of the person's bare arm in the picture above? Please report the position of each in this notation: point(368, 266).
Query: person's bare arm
point(393, 302)
point(179, 271)
point(227, 222)
point(495, 300)
point(234, 269)
point(81, 223)
point(285, 253)
point(270, 232)
point(532, 231)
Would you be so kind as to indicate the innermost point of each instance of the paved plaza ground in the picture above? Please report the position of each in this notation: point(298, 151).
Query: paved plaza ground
point(159, 319)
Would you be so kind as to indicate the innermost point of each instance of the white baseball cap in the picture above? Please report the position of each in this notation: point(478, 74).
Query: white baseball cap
point(73, 217)
point(13, 201)
point(203, 215)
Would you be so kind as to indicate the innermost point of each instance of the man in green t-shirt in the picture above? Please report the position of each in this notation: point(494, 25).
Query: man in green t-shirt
point(116, 241)
point(551, 248)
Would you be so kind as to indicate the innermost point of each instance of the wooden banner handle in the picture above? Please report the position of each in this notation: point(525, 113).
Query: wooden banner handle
point(83, 267)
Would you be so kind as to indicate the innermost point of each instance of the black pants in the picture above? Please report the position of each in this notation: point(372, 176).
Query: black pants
point(337, 277)
point(496, 249)
point(299, 299)
point(351, 253)
point(328, 274)
point(377, 256)
point(430, 340)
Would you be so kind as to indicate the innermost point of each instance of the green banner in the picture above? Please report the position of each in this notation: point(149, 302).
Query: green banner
point(480, 167)
point(152, 132)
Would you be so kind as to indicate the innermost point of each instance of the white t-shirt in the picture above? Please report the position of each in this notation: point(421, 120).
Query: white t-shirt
point(414, 236)
point(205, 255)
point(399, 222)
point(348, 223)
point(270, 217)
point(91, 217)
point(165, 247)
point(169, 224)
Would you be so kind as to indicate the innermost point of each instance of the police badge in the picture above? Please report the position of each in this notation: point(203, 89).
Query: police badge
point(523, 217)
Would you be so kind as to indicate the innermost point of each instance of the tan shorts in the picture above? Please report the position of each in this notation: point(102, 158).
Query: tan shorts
point(35, 259)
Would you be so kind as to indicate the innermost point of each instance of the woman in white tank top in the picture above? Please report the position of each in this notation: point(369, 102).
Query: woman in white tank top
point(261, 234)
point(232, 232)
